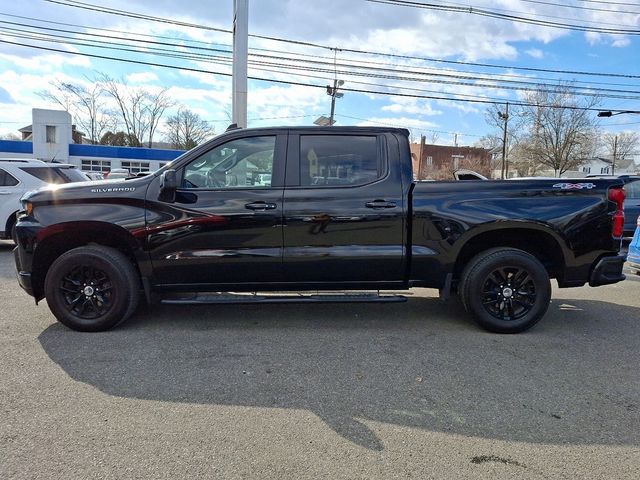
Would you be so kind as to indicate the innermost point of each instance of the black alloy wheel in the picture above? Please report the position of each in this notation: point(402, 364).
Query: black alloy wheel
point(509, 293)
point(92, 288)
point(87, 292)
point(507, 290)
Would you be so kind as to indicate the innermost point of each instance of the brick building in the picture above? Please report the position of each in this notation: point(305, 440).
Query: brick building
point(440, 161)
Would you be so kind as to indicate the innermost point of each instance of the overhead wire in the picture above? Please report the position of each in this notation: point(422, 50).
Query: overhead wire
point(289, 82)
point(476, 75)
point(502, 16)
point(522, 85)
point(77, 4)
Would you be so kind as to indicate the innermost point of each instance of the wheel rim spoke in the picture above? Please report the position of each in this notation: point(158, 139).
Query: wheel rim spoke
point(508, 293)
point(86, 291)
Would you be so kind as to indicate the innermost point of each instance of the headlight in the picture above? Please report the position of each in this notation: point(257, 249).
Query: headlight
point(27, 206)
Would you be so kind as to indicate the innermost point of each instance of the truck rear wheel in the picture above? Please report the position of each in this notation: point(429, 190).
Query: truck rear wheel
point(92, 288)
point(505, 289)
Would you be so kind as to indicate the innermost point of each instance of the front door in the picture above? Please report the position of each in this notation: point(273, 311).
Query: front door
point(225, 226)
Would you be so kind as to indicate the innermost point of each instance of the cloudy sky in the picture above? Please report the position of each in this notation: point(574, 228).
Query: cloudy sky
point(412, 55)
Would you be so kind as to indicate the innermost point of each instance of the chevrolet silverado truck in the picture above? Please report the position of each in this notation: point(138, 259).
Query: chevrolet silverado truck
point(314, 209)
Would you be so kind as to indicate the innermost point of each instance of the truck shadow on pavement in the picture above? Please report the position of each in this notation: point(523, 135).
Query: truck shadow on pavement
point(423, 364)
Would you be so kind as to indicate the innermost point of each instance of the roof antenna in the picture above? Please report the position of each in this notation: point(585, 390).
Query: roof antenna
point(233, 126)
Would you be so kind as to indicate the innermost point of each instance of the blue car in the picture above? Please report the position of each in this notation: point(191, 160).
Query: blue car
point(633, 257)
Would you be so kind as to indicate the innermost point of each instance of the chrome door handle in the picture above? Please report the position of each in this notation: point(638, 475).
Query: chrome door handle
point(380, 204)
point(261, 206)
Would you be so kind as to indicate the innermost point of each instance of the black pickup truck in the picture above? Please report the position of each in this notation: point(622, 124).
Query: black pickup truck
point(305, 209)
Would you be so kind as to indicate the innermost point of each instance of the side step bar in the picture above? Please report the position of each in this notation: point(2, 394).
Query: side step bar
point(217, 298)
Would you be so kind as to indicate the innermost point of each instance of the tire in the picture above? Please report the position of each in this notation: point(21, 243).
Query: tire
point(505, 289)
point(92, 289)
point(14, 237)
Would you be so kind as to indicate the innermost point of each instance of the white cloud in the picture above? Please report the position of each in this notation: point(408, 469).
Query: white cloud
point(412, 106)
point(535, 53)
point(142, 77)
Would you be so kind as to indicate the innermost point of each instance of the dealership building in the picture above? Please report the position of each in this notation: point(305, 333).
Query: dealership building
point(52, 138)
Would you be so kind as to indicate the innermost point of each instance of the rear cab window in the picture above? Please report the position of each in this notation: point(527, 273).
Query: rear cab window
point(339, 160)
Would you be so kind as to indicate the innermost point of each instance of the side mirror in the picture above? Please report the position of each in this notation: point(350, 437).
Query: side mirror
point(168, 186)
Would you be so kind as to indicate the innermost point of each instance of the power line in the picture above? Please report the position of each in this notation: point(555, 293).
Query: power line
point(594, 9)
point(289, 82)
point(356, 51)
point(315, 57)
point(609, 3)
point(522, 85)
point(419, 129)
point(502, 16)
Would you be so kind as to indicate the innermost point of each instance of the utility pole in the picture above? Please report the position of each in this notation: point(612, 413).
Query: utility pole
point(333, 92)
point(240, 54)
point(504, 171)
point(615, 152)
point(423, 141)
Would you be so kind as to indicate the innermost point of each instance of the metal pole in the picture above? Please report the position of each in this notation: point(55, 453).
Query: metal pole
point(333, 101)
point(615, 152)
point(505, 166)
point(240, 54)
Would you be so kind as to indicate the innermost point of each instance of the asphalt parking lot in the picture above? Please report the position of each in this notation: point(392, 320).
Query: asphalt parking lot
point(410, 390)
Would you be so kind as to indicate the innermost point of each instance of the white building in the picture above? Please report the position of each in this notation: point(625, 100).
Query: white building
point(51, 135)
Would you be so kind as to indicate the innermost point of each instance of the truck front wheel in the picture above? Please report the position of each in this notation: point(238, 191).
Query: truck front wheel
point(505, 289)
point(92, 288)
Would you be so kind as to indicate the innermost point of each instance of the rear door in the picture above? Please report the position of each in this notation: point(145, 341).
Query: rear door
point(343, 210)
point(10, 192)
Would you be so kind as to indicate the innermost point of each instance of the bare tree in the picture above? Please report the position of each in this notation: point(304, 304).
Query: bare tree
point(620, 146)
point(85, 103)
point(561, 127)
point(140, 110)
point(185, 129)
point(155, 107)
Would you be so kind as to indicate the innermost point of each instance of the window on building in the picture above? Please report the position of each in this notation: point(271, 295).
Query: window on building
point(339, 160)
point(604, 170)
point(241, 163)
point(7, 180)
point(429, 161)
point(51, 134)
point(586, 169)
point(95, 165)
point(135, 167)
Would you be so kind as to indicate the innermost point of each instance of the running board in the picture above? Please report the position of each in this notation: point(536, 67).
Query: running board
point(217, 298)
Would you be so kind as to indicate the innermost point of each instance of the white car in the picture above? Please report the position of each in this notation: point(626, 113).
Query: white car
point(18, 176)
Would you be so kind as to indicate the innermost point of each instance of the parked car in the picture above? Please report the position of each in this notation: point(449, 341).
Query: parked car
point(633, 257)
point(117, 173)
point(631, 202)
point(18, 176)
point(341, 212)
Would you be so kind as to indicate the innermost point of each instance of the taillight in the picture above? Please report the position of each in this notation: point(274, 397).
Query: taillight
point(618, 195)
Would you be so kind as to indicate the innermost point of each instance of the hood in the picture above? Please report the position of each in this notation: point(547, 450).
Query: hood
point(89, 189)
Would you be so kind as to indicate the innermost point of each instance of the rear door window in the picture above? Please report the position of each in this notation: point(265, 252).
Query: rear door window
point(55, 174)
point(339, 160)
point(7, 180)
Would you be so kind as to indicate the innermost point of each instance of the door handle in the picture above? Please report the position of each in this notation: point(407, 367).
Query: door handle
point(261, 206)
point(380, 204)
point(4, 192)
